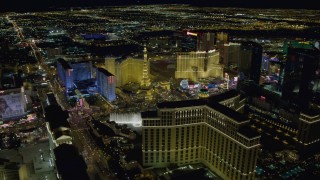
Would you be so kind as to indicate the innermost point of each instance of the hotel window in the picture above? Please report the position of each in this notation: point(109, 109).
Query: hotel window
point(163, 157)
point(176, 156)
point(197, 153)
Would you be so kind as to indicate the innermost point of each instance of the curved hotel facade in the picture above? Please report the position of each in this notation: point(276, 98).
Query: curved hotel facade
point(208, 131)
point(200, 64)
point(130, 70)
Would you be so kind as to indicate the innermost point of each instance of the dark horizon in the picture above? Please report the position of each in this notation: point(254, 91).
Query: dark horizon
point(47, 5)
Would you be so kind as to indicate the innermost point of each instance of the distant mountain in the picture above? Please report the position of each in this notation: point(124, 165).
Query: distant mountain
point(45, 5)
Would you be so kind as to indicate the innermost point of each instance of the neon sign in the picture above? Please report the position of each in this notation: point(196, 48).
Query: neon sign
point(192, 34)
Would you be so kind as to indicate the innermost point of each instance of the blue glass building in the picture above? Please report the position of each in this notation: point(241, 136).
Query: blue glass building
point(82, 70)
point(106, 84)
point(65, 74)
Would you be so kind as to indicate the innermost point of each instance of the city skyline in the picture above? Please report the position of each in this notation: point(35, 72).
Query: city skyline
point(197, 90)
point(45, 5)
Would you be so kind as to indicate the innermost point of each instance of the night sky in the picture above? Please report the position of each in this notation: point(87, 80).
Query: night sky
point(44, 5)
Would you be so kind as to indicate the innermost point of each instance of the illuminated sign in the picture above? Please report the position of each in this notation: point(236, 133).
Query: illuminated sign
point(184, 84)
point(69, 71)
point(192, 34)
point(110, 79)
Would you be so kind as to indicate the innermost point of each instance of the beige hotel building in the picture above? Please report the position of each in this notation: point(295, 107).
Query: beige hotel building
point(200, 64)
point(308, 130)
point(130, 70)
point(209, 131)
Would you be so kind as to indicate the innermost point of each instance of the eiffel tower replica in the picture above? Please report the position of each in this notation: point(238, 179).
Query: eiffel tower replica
point(145, 81)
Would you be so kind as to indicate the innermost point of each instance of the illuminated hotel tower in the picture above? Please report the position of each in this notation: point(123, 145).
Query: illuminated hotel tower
point(106, 84)
point(208, 131)
point(200, 64)
point(110, 64)
point(128, 70)
point(205, 41)
point(222, 38)
point(65, 73)
point(145, 82)
point(81, 70)
point(308, 131)
point(113, 66)
point(230, 54)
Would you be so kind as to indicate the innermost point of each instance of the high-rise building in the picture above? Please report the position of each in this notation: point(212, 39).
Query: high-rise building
point(301, 76)
point(230, 54)
point(145, 81)
point(65, 73)
point(106, 84)
point(113, 65)
point(208, 131)
point(308, 131)
point(110, 64)
point(130, 70)
point(250, 61)
point(194, 65)
point(81, 70)
point(205, 41)
point(222, 38)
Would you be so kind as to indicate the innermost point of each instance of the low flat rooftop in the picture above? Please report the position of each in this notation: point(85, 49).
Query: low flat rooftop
point(248, 132)
point(228, 112)
point(180, 104)
point(212, 102)
point(149, 114)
